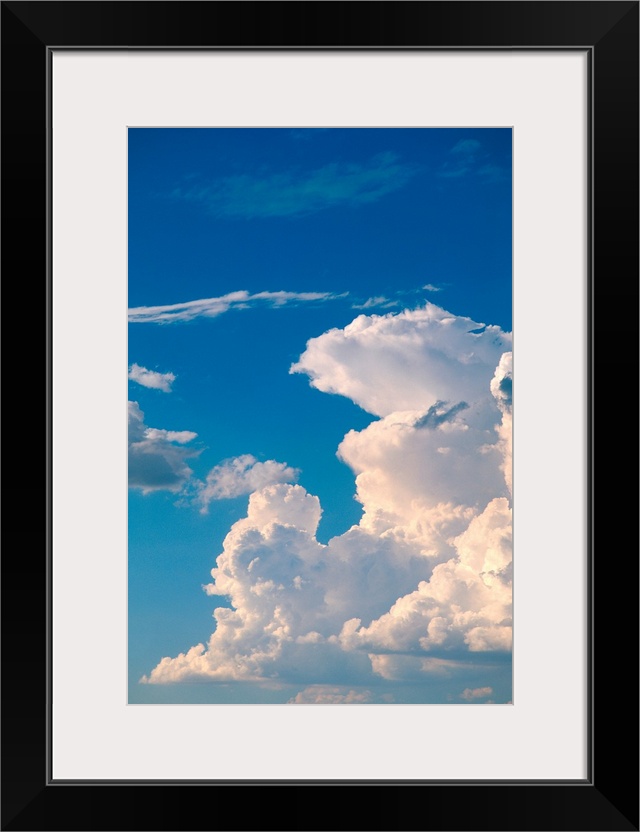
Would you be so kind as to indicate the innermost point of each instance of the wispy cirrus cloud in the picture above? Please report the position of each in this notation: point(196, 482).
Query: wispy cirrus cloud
point(151, 379)
point(466, 148)
point(377, 302)
point(400, 298)
point(298, 192)
point(468, 157)
point(212, 307)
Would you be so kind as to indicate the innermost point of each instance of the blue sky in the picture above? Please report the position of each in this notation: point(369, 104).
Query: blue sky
point(307, 306)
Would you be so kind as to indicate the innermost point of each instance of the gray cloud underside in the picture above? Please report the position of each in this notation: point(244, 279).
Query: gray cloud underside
point(438, 414)
point(157, 458)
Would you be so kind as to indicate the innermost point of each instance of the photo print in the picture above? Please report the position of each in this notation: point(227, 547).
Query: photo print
point(320, 416)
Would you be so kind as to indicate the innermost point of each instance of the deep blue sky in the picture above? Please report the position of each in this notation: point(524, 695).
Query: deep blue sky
point(366, 215)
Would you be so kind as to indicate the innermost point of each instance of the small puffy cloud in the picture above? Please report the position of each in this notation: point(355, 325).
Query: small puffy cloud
point(326, 695)
point(242, 475)
point(405, 361)
point(151, 379)
point(297, 192)
point(157, 458)
point(473, 694)
point(429, 287)
point(212, 307)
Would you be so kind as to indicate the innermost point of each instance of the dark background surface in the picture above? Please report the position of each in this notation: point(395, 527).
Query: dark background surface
point(609, 800)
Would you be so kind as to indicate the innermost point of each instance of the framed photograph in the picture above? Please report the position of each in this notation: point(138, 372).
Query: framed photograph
point(313, 255)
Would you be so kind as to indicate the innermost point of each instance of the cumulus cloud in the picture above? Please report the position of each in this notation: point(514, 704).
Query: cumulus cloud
point(242, 475)
point(466, 604)
point(423, 484)
point(151, 379)
point(212, 307)
point(157, 458)
point(298, 193)
point(290, 594)
point(405, 361)
point(421, 586)
point(502, 390)
point(429, 287)
point(502, 382)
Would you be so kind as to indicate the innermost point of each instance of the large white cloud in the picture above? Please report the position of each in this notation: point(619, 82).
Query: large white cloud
point(157, 457)
point(290, 594)
point(424, 480)
point(466, 604)
point(406, 361)
point(422, 585)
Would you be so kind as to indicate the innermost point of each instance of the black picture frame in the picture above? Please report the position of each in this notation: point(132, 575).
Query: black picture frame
point(608, 798)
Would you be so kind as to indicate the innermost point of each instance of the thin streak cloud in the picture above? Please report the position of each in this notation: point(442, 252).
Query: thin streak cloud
point(212, 307)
